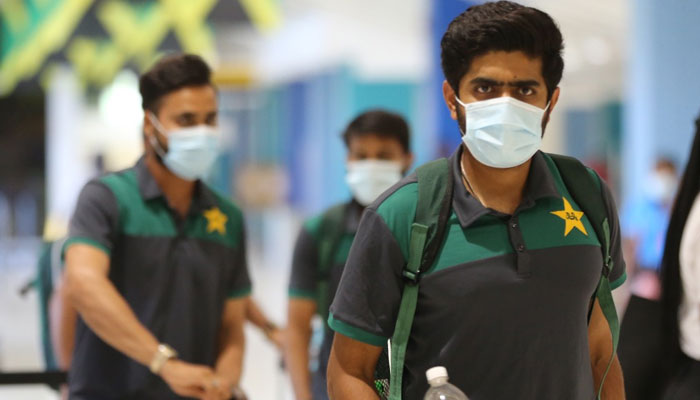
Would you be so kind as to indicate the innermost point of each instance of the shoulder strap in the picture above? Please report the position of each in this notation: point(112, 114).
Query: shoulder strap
point(330, 232)
point(427, 232)
point(587, 192)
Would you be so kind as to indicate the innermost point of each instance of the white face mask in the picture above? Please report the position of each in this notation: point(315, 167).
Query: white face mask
point(661, 186)
point(191, 151)
point(503, 132)
point(368, 179)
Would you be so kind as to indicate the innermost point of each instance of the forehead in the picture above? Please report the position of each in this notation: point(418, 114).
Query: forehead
point(369, 141)
point(194, 99)
point(505, 66)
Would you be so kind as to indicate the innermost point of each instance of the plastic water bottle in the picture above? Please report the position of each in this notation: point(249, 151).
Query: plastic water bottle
point(440, 389)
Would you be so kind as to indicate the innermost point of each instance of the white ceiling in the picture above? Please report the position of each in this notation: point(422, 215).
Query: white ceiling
point(391, 39)
point(595, 39)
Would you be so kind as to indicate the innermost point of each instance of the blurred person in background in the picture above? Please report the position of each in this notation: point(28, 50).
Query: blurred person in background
point(502, 286)
point(155, 259)
point(58, 318)
point(681, 286)
point(644, 225)
point(378, 145)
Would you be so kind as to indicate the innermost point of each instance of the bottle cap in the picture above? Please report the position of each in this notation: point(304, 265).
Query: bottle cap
point(436, 373)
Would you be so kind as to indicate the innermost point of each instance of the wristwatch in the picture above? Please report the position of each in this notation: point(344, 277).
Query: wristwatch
point(163, 354)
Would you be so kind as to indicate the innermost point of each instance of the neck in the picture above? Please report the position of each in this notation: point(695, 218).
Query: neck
point(500, 189)
point(178, 192)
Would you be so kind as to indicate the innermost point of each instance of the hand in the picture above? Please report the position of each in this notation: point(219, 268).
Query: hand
point(219, 388)
point(185, 379)
point(238, 394)
point(276, 337)
point(222, 389)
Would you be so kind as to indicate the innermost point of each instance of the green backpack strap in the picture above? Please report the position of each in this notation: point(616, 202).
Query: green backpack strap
point(330, 234)
point(432, 212)
point(587, 192)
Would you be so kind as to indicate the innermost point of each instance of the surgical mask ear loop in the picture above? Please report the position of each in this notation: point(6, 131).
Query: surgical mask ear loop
point(157, 147)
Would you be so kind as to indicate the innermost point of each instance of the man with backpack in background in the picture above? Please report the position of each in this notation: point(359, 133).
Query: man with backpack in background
point(378, 144)
point(498, 263)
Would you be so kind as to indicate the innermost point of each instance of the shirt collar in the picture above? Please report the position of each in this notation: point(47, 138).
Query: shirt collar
point(148, 187)
point(353, 214)
point(203, 198)
point(540, 184)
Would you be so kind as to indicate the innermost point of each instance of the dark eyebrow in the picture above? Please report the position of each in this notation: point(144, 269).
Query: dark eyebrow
point(524, 83)
point(486, 82)
point(493, 82)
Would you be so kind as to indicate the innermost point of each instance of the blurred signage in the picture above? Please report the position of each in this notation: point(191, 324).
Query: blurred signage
point(101, 37)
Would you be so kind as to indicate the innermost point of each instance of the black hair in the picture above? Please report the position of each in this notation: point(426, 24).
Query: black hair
point(169, 74)
point(670, 266)
point(502, 26)
point(381, 123)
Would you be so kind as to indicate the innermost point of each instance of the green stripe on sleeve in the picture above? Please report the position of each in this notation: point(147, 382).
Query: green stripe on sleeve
point(619, 281)
point(356, 333)
point(84, 240)
point(235, 294)
point(302, 294)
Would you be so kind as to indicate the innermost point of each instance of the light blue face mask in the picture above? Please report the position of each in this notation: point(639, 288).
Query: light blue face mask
point(503, 132)
point(191, 151)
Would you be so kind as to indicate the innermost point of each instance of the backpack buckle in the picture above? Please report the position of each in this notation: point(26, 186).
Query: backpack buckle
point(607, 266)
point(411, 277)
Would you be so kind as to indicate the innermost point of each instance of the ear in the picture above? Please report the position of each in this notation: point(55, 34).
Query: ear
point(449, 95)
point(408, 162)
point(148, 127)
point(552, 103)
point(555, 98)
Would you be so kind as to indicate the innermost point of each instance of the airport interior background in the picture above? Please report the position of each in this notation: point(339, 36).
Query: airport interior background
point(291, 74)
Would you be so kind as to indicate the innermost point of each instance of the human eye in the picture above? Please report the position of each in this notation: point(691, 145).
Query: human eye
point(483, 89)
point(185, 120)
point(527, 91)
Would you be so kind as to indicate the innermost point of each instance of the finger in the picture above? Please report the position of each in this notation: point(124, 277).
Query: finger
point(224, 394)
point(213, 394)
point(190, 391)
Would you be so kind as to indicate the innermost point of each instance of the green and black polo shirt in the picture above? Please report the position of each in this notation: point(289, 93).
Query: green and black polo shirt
point(504, 307)
point(307, 271)
point(175, 273)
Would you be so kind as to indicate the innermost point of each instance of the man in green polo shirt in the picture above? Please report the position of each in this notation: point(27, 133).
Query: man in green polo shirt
point(504, 303)
point(155, 260)
point(378, 145)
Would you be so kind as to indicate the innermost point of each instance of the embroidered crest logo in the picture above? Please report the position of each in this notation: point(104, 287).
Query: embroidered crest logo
point(216, 220)
point(571, 217)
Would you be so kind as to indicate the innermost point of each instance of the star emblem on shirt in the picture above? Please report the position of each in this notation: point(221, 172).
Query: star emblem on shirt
point(571, 217)
point(216, 220)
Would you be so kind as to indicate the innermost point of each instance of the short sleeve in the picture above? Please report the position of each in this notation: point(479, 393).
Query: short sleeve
point(366, 304)
point(240, 284)
point(688, 254)
point(303, 280)
point(96, 218)
point(617, 275)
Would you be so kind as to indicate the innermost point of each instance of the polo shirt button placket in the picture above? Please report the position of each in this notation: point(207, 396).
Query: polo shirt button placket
point(522, 258)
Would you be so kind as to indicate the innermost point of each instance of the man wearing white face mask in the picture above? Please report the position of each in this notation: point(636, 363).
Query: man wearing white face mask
point(498, 262)
point(378, 155)
point(155, 259)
